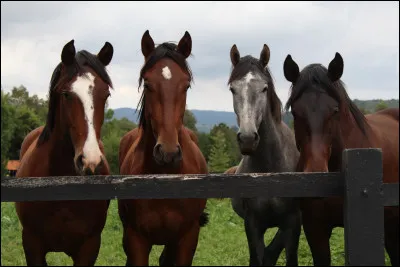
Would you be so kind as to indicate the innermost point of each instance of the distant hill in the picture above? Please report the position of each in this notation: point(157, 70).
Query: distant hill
point(206, 119)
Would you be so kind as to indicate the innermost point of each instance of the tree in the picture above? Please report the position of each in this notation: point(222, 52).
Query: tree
point(232, 147)
point(363, 110)
point(111, 133)
point(7, 129)
point(26, 120)
point(111, 149)
point(109, 114)
point(204, 143)
point(219, 159)
point(380, 106)
point(189, 120)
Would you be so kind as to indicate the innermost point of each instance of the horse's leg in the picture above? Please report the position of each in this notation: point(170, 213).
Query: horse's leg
point(35, 254)
point(187, 246)
point(87, 254)
point(255, 239)
point(137, 248)
point(274, 249)
point(167, 257)
point(292, 230)
point(124, 246)
point(392, 235)
point(318, 234)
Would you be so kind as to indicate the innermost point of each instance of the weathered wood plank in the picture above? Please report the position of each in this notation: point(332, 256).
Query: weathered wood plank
point(390, 194)
point(363, 207)
point(172, 186)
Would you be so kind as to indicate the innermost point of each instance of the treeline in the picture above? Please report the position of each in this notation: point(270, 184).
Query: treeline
point(21, 113)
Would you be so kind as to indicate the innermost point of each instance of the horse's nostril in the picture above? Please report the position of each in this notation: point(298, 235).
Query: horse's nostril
point(79, 162)
point(179, 153)
point(256, 136)
point(238, 137)
point(158, 148)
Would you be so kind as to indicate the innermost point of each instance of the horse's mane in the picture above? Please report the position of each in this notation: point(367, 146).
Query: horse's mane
point(250, 64)
point(82, 58)
point(163, 50)
point(314, 77)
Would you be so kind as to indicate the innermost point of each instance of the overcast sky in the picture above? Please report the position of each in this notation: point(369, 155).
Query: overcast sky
point(366, 34)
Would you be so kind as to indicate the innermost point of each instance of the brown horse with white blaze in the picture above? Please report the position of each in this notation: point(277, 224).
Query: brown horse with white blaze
point(68, 145)
point(326, 122)
point(162, 145)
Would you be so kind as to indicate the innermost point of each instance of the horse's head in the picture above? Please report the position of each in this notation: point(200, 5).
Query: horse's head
point(317, 101)
point(254, 97)
point(166, 77)
point(79, 89)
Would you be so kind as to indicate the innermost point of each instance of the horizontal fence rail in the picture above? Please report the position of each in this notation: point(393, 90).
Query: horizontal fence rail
point(172, 186)
point(187, 186)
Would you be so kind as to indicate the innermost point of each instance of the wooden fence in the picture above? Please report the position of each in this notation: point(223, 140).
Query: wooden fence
point(359, 182)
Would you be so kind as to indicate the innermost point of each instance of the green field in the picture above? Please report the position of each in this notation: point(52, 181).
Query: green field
point(222, 241)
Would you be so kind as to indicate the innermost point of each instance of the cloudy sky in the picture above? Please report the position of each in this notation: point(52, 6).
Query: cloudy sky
point(366, 34)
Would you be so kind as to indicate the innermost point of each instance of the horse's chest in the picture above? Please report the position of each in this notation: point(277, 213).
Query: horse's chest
point(63, 224)
point(159, 219)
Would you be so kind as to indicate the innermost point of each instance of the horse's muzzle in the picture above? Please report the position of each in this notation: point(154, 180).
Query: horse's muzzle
point(248, 142)
point(86, 167)
point(166, 157)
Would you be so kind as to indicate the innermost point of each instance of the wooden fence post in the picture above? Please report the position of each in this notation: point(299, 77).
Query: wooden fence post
point(363, 207)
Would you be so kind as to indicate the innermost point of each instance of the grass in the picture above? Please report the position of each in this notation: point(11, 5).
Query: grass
point(222, 242)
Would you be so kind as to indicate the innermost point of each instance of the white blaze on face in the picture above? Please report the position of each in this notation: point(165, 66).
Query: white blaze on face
point(166, 73)
point(245, 94)
point(83, 88)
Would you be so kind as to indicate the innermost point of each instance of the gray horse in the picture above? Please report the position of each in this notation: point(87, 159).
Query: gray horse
point(267, 145)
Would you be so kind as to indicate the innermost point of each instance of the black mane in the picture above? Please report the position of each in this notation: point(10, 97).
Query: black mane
point(250, 64)
point(82, 58)
point(163, 50)
point(314, 77)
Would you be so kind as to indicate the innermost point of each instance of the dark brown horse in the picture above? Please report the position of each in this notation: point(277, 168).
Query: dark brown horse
point(68, 145)
point(326, 121)
point(162, 145)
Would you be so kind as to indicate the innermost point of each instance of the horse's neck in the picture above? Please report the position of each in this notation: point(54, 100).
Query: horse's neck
point(61, 150)
point(269, 154)
point(60, 156)
point(349, 136)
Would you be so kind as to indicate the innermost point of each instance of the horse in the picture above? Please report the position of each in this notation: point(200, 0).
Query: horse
point(326, 122)
point(162, 145)
point(68, 145)
point(267, 145)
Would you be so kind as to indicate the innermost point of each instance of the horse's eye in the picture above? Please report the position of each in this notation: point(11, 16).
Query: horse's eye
point(187, 88)
point(335, 110)
point(66, 94)
point(265, 89)
point(231, 89)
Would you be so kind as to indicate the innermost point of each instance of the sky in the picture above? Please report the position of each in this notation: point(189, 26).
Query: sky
point(366, 34)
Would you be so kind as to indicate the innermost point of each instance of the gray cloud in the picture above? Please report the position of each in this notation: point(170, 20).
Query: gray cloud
point(366, 34)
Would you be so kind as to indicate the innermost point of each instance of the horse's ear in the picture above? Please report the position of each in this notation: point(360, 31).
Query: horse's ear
point(106, 53)
point(185, 45)
point(335, 68)
point(290, 69)
point(68, 53)
point(235, 55)
point(147, 44)
point(264, 56)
